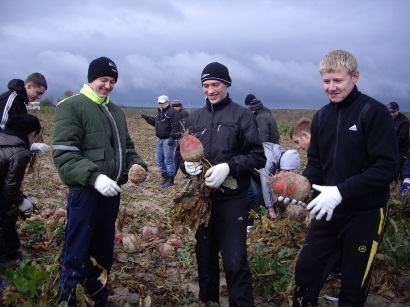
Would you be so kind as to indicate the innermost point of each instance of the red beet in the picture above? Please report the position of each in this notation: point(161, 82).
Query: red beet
point(292, 185)
point(191, 147)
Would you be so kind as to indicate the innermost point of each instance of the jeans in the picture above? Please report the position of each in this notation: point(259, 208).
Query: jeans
point(164, 157)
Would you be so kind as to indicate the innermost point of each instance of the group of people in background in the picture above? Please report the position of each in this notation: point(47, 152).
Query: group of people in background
point(354, 151)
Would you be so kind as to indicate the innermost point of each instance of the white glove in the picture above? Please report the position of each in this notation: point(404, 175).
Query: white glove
point(216, 175)
point(41, 147)
point(193, 168)
point(287, 201)
point(106, 186)
point(326, 202)
point(26, 206)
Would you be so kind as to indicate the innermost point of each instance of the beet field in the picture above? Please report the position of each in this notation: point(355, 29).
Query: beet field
point(154, 258)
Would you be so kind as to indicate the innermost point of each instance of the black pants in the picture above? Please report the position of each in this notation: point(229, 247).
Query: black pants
point(226, 233)
point(9, 238)
point(356, 236)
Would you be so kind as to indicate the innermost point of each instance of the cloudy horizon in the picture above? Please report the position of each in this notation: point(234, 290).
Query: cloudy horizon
point(271, 48)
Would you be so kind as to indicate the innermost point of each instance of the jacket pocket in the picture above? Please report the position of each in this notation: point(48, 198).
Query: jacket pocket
point(95, 154)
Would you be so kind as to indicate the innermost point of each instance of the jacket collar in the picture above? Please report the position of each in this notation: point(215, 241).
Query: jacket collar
point(164, 109)
point(348, 100)
point(218, 106)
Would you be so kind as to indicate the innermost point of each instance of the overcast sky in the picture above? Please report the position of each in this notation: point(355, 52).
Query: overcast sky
point(272, 48)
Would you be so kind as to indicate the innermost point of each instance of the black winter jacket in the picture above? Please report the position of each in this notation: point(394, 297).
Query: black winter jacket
point(401, 123)
point(14, 158)
point(13, 101)
point(166, 122)
point(353, 146)
point(229, 134)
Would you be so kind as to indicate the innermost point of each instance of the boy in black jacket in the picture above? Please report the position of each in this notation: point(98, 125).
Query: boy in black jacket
point(352, 159)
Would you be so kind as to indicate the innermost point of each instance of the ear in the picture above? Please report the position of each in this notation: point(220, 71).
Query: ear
point(305, 135)
point(356, 76)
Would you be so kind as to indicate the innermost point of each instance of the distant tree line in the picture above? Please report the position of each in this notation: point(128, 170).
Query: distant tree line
point(48, 102)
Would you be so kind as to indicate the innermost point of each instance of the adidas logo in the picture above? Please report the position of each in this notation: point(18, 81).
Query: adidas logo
point(205, 75)
point(353, 128)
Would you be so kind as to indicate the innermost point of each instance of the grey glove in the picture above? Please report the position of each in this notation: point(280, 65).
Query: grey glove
point(26, 206)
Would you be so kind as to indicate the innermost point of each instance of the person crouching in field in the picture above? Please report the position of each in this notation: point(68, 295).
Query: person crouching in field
point(20, 132)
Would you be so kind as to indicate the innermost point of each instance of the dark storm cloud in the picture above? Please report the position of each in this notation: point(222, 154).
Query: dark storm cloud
point(272, 48)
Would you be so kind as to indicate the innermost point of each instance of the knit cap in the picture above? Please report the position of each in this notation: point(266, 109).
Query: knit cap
point(176, 103)
point(248, 99)
point(102, 67)
point(290, 160)
point(255, 104)
point(393, 106)
point(216, 71)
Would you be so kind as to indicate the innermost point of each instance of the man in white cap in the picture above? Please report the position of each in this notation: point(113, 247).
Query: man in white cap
point(167, 129)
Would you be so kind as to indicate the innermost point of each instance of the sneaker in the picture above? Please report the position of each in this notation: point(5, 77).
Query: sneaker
point(248, 228)
point(333, 297)
point(331, 275)
point(405, 188)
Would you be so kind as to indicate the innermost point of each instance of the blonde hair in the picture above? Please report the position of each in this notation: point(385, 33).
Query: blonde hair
point(301, 125)
point(337, 59)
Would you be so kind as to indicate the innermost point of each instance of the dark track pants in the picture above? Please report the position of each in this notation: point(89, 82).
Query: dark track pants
point(356, 236)
point(89, 233)
point(9, 238)
point(226, 232)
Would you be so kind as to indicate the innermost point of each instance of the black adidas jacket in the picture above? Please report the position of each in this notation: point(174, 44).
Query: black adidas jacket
point(353, 146)
point(13, 101)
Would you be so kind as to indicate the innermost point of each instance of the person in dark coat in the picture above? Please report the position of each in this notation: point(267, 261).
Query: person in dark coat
point(229, 135)
point(167, 129)
point(401, 123)
point(19, 133)
point(179, 162)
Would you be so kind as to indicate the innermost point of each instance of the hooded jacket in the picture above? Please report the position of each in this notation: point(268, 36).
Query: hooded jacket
point(14, 158)
point(90, 139)
point(13, 101)
point(353, 146)
point(228, 133)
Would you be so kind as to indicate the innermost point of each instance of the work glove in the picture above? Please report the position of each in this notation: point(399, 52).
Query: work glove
point(328, 199)
point(405, 187)
point(216, 175)
point(144, 116)
point(106, 186)
point(26, 206)
point(288, 201)
point(170, 142)
point(193, 168)
point(41, 147)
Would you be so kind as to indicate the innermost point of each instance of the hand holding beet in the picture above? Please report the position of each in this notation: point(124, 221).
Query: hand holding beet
point(291, 188)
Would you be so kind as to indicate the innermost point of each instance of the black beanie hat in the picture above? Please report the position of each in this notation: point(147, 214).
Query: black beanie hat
point(216, 71)
point(102, 67)
point(255, 104)
point(393, 106)
point(249, 98)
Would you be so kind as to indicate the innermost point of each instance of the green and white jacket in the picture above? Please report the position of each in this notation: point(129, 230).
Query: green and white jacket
point(91, 138)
